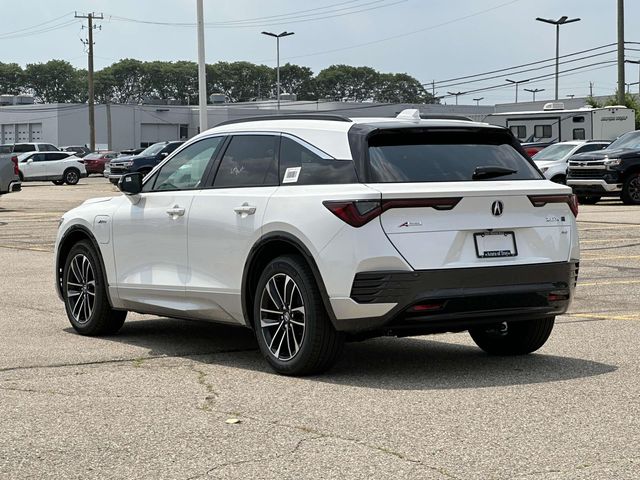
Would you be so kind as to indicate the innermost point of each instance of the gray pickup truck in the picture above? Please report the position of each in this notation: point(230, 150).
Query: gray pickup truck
point(9, 178)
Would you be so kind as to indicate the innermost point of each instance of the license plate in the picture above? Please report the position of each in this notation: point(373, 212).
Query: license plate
point(495, 244)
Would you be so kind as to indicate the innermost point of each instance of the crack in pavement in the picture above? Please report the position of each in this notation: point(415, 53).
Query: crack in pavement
point(209, 406)
point(124, 360)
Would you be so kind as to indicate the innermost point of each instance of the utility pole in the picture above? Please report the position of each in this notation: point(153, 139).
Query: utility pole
point(621, 52)
point(477, 100)
point(591, 89)
point(534, 91)
point(89, 42)
point(561, 21)
point(433, 88)
point(202, 72)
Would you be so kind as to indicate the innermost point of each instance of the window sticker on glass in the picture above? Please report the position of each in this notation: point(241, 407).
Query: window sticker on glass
point(291, 175)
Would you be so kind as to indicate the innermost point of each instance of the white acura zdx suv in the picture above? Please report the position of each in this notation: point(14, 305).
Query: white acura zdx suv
point(312, 230)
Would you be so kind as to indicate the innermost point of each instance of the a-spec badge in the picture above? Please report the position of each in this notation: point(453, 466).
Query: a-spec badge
point(497, 208)
point(410, 224)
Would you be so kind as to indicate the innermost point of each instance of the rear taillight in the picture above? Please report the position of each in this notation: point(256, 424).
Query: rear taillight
point(570, 199)
point(360, 212)
point(16, 171)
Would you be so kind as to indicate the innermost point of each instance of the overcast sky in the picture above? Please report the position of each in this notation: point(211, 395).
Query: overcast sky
point(434, 39)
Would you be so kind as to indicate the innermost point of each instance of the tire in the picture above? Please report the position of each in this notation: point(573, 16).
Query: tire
point(561, 179)
point(513, 338)
point(82, 268)
point(589, 199)
point(58, 182)
point(313, 345)
point(71, 176)
point(631, 190)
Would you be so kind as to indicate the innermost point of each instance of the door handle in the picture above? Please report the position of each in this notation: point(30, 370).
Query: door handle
point(175, 211)
point(245, 209)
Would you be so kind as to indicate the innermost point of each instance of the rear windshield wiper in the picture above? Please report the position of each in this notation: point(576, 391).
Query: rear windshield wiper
point(480, 173)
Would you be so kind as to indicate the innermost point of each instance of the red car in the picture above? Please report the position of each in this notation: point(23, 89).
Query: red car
point(94, 162)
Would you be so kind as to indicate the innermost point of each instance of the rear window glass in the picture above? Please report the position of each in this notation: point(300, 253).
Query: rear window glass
point(24, 147)
point(445, 157)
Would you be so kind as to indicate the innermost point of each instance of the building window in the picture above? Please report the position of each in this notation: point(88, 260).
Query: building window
point(579, 119)
point(578, 134)
point(519, 131)
point(542, 131)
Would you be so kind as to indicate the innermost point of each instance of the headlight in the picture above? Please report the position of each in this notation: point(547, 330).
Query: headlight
point(544, 169)
point(127, 164)
point(610, 162)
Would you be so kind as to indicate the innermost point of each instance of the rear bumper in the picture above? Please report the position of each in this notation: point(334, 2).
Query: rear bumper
point(458, 299)
point(594, 186)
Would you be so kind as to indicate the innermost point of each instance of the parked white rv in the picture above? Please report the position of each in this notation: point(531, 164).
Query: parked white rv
point(555, 124)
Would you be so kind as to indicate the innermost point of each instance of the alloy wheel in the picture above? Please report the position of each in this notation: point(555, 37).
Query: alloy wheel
point(81, 288)
point(634, 189)
point(282, 316)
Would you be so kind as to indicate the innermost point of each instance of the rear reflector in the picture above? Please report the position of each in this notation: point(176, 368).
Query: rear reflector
point(426, 307)
point(570, 199)
point(360, 212)
point(16, 171)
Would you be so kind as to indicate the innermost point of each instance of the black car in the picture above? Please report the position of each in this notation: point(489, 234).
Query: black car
point(612, 172)
point(142, 163)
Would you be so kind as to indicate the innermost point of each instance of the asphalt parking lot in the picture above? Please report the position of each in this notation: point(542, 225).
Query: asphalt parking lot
point(153, 401)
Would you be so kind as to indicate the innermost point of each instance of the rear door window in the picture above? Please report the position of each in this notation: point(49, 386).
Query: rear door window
point(299, 165)
point(249, 161)
point(445, 156)
point(23, 147)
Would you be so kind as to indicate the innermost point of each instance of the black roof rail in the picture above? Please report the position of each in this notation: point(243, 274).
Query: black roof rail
point(293, 116)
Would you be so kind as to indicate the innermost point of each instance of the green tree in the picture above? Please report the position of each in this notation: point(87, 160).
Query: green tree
point(11, 79)
point(126, 81)
point(240, 81)
point(54, 82)
point(298, 80)
point(401, 88)
point(344, 82)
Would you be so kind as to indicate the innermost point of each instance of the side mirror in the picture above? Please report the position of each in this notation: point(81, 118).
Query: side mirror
point(30, 160)
point(130, 183)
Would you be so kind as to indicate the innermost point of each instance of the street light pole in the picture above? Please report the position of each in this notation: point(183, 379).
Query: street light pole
point(561, 21)
point(477, 100)
point(456, 94)
point(277, 37)
point(534, 91)
point(202, 73)
point(516, 83)
point(638, 63)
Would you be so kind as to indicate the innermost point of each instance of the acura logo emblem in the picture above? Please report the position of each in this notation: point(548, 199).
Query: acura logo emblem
point(497, 208)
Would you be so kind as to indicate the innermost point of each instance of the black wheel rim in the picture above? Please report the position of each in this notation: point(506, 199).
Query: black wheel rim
point(634, 189)
point(81, 288)
point(282, 317)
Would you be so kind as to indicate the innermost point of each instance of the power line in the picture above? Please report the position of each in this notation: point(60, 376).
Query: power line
point(520, 66)
point(510, 73)
point(38, 32)
point(37, 25)
point(400, 35)
point(372, 5)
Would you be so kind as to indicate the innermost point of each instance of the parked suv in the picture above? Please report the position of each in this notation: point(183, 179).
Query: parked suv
point(552, 161)
point(612, 172)
point(59, 167)
point(315, 229)
point(143, 162)
point(33, 147)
